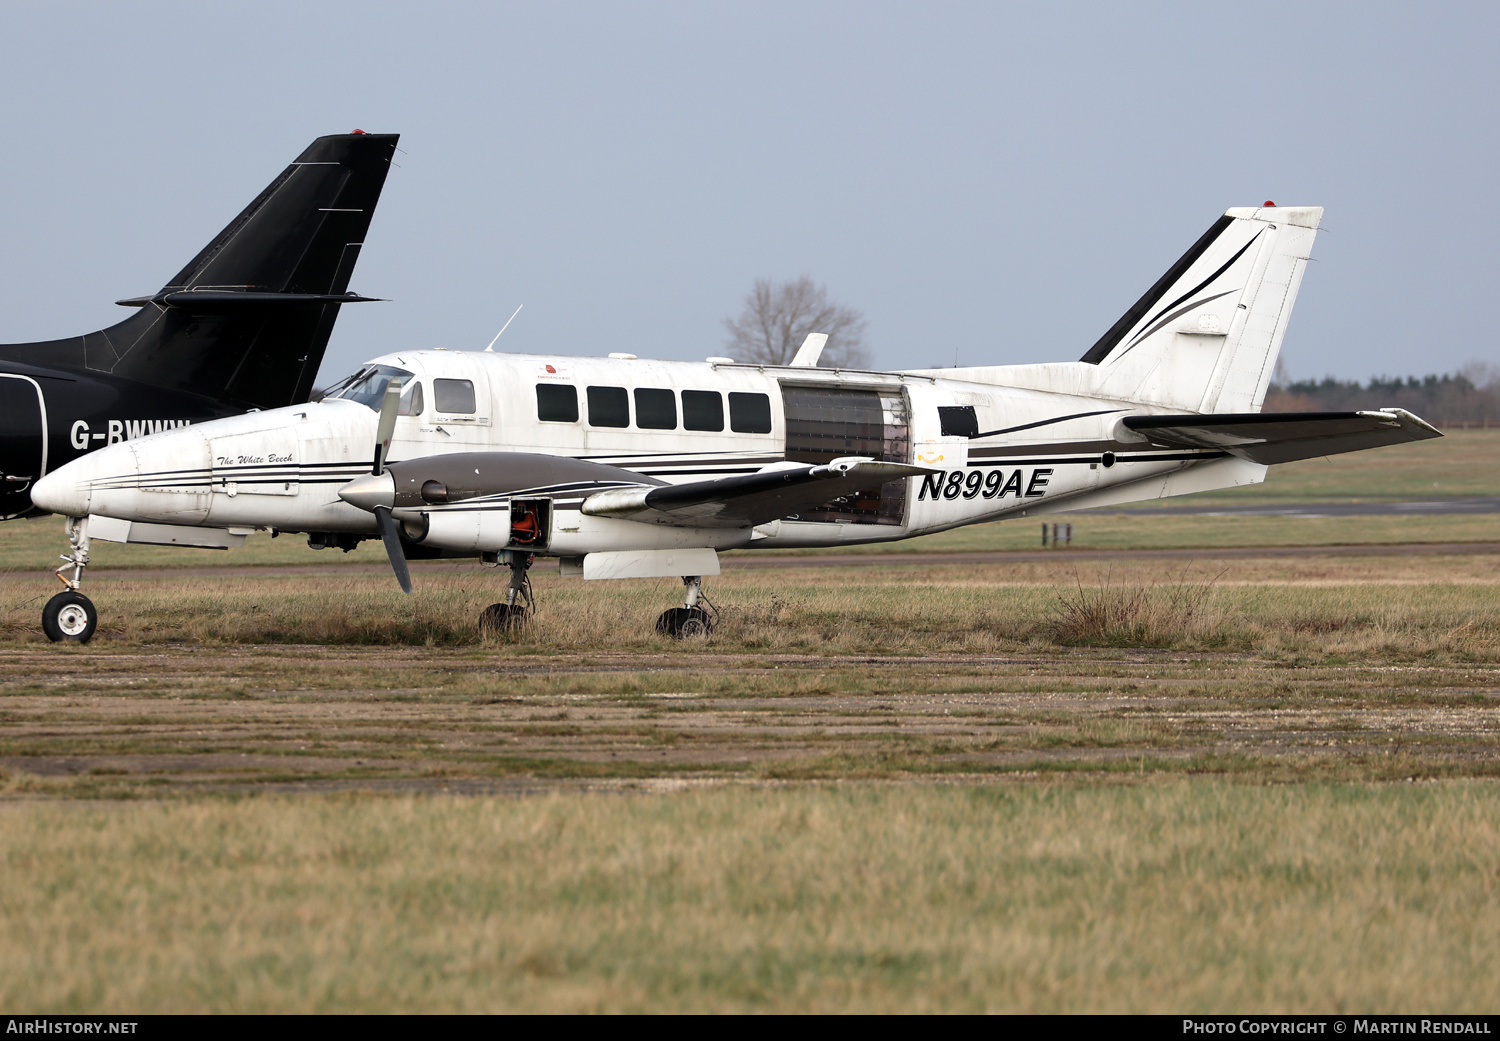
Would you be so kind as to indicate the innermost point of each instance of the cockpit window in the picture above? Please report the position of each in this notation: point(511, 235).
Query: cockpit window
point(411, 399)
point(367, 386)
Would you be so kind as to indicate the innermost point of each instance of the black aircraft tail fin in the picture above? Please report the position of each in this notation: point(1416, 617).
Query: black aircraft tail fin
point(247, 320)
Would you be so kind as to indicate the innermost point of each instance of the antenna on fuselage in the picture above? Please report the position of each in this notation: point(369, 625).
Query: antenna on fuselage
point(504, 327)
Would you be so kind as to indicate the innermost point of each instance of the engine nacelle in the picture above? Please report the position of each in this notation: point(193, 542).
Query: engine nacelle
point(526, 525)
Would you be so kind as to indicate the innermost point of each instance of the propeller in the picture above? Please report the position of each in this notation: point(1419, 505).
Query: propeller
point(392, 540)
point(390, 404)
point(389, 536)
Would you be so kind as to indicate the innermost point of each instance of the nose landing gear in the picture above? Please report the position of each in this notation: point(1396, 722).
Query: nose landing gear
point(690, 619)
point(71, 616)
point(511, 615)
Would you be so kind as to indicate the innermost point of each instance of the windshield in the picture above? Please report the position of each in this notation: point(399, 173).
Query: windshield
point(367, 386)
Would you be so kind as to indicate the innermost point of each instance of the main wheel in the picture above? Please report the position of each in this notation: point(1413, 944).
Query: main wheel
point(70, 616)
point(683, 622)
point(501, 618)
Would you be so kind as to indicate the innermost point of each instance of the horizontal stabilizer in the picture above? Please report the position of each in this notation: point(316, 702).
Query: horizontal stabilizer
point(737, 502)
point(216, 300)
point(1283, 437)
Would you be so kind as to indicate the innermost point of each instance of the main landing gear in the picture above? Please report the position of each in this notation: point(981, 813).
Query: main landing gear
point(511, 615)
point(690, 619)
point(70, 615)
point(695, 618)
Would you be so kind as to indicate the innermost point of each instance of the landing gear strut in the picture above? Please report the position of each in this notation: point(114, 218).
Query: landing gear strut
point(70, 615)
point(690, 619)
point(511, 615)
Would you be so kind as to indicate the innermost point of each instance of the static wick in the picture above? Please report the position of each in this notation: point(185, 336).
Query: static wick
point(504, 327)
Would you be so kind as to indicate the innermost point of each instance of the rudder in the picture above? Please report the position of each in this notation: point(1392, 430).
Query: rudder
point(1205, 337)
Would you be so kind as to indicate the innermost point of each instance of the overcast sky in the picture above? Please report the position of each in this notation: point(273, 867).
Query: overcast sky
point(990, 183)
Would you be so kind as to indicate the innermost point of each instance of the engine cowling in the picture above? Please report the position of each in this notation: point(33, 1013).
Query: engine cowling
point(442, 479)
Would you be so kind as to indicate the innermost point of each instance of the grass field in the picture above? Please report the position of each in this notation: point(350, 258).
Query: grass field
point(1253, 781)
point(1352, 669)
point(1185, 896)
point(1409, 605)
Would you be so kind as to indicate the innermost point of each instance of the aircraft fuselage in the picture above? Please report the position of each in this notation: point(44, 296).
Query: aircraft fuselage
point(49, 417)
point(676, 422)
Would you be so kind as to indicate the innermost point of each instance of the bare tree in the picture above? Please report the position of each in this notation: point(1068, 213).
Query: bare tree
point(778, 317)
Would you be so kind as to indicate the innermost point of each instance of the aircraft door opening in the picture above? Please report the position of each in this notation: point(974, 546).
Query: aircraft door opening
point(22, 432)
point(824, 423)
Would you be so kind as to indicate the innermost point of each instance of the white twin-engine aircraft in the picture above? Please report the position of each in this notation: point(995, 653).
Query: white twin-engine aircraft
point(628, 468)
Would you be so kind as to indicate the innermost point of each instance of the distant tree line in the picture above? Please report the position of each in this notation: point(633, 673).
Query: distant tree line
point(1471, 395)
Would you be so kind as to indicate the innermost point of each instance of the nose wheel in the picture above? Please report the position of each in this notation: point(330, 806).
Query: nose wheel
point(70, 616)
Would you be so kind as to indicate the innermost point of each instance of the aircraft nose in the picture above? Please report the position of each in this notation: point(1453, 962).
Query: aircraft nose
point(65, 490)
point(370, 491)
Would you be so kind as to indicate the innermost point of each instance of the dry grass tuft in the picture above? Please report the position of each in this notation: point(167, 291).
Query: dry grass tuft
point(1151, 615)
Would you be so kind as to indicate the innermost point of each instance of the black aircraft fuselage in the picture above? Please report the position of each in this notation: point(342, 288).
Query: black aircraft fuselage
point(242, 327)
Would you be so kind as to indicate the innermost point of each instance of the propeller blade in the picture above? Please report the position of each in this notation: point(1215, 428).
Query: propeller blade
point(392, 539)
point(389, 405)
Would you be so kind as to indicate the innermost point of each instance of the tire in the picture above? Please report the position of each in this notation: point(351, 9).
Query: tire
point(70, 617)
point(681, 623)
point(499, 619)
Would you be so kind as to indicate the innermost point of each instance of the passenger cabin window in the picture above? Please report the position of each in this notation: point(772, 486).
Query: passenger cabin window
point(411, 400)
point(702, 410)
point(456, 397)
point(609, 407)
point(556, 403)
point(655, 409)
point(958, 420)
point(750, 413)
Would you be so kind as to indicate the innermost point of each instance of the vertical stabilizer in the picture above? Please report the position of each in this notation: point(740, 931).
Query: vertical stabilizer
point(1205, 337)
point(247, 320)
